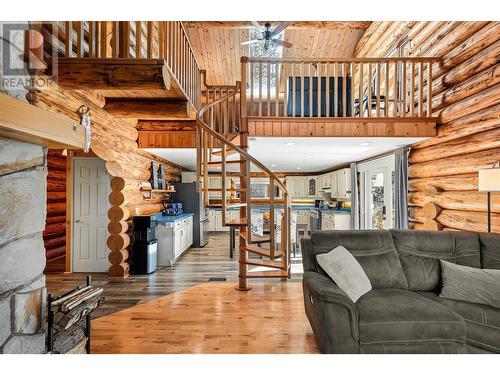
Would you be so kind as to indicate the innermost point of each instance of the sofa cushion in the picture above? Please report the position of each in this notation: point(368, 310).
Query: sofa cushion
point(390, 316)
point(482, 321)
point(490, 250)
point(420, 252)
point(373, 249)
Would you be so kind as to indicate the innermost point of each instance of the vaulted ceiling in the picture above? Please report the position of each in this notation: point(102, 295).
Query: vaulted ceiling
point(218, 50)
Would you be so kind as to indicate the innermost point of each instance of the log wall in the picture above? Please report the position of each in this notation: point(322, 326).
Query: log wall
point(115, 141)
point(54, 236)
point(466, 99)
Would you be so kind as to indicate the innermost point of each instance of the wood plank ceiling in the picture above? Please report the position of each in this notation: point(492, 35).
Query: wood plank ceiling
point(218, 50)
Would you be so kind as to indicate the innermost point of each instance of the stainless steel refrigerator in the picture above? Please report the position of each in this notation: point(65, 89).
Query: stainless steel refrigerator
point(192, 202)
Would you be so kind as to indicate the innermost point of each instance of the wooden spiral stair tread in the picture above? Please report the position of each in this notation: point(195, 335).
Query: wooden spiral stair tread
point(267, 274)
point(265, 263)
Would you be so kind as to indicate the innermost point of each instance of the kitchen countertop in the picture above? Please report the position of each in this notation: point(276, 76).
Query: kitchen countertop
point(340, 211)
point(160, 218)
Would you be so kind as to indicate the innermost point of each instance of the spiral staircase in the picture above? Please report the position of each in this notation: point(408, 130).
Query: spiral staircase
point(222, 153)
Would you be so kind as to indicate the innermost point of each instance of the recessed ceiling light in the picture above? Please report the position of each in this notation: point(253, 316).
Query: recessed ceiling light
point(273, 165)
point(290, 143)
point(366, 144)
point(299, 167)
point(308, 156)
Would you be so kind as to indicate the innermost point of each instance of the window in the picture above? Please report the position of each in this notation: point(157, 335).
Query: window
point(264, 80)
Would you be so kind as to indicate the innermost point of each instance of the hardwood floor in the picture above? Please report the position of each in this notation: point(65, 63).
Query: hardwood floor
point(197, 266)
point(211, 318)
point(180, 310)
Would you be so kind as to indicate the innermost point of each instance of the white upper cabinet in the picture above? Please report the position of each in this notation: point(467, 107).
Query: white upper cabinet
point(343, 188)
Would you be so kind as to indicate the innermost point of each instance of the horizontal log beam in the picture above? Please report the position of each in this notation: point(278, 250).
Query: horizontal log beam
point(159, 125)
point(27, 123)
point(112, 74)
point(456, 200)
point(149, 109)
point(461, 182)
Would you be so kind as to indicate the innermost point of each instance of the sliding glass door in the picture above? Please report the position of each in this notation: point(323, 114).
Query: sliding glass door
point(377, 193)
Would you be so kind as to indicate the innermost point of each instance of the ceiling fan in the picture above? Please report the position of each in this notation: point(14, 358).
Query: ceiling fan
point(268, 35)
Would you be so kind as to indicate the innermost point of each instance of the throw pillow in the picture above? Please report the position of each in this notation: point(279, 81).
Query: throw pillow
point(470, 284)
point(345, 271)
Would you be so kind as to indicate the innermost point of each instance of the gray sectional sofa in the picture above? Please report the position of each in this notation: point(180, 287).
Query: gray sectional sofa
point(403, 312)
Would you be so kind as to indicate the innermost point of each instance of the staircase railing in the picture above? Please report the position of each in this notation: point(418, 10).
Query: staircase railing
point(216, 121)
point(166, 40)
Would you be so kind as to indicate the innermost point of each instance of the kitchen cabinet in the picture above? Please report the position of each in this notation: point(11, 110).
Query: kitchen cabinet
point(173, 239)
point(343, 188)
point(312, 187)
point(215, 219)
point(327, 221)
point(303, 217)
point(298, 186)
point(333, 184)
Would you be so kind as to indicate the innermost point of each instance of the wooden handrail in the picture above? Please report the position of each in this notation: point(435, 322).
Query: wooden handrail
point(246, 59)
point(223, 140)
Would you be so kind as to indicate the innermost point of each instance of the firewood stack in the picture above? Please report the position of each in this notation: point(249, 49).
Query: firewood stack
point(69, 326)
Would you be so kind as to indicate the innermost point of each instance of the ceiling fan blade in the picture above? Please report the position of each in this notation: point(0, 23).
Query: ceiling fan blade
point(248, 42)
point(282, 26)
point(257, 26)
point(283, 43)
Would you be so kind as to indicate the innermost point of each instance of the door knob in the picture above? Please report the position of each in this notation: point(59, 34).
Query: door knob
point(77, 221)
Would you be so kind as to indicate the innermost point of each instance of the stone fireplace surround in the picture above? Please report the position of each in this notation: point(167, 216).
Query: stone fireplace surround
point(23, 175)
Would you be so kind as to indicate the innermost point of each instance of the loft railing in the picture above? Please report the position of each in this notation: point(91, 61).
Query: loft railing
point(166, 40)
point(341, 88)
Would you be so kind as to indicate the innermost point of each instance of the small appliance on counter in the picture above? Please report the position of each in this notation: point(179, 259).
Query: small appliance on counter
point(144, 246)
point(172, 209)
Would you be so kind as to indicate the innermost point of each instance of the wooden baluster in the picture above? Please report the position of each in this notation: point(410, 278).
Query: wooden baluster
point(103, 40)
point(386, 101)
point(68, 43)
point(271, 218)
point(319, 67)
point(412, 90)
point(335, 91)
point(294, 88)
point(124, 45)
point(251, 103)
point(260, 88)
point(396, 89)
point(91, 39)
point(115, 40)
point(161, 39)
point(369, 90)
point(79, 41)
point(378, 90)
point(277, 88)
point(149, 40)
point(198, 157)
point(205, 169)
point(302, 85)
point(429, 89)
point(268, 95)
point(311, 90)
point(344, 90)
point(138, 39)
point(361, 89)
point(55, 38)
point(223, 197)
point(403, 82)
point(421, 90)
point(327, 90)
point(352, 89)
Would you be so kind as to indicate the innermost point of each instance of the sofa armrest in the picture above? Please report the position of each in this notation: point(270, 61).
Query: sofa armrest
point(326, 291)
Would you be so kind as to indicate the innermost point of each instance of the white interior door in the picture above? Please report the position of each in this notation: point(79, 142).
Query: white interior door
point(377, 193)
point(91, 188)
